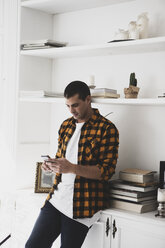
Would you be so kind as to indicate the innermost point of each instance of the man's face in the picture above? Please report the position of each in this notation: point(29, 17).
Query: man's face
point(79, 109)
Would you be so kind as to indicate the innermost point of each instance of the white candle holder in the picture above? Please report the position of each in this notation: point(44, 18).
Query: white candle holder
point(161, 210)
point(161, 203)
point(91, 82)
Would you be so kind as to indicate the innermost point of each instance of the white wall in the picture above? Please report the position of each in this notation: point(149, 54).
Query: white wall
point(142, 134)
point(8, 89)
point(33, 118)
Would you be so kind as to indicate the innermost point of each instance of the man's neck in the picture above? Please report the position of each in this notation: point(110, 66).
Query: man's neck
point(88, 116)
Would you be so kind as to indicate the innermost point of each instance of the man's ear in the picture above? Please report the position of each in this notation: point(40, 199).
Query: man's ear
point(89, 99)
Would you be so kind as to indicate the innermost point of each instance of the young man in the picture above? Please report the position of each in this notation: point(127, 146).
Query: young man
point(86, 159)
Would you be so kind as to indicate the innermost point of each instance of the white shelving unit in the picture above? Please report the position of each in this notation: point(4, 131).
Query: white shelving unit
point(156, 44)
point(61, 6)
point(141, 128)
point(138, 101)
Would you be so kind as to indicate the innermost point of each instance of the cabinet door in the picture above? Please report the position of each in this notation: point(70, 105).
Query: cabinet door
point(95, 236)
point(6, 218)
point(27, 210)
point(99, 235)
point(107, 220)
point(28, 207)
point(127, 233)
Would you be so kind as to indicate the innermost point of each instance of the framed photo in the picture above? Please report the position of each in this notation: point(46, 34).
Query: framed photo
point(162, 175)
point(43, 180)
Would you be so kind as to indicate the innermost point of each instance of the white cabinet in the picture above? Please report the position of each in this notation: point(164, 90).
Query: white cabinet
point(28, 206)
point(7, 213)
point(19, 212)
point(95, 236)
point(27, 209)
point(107, 220)
point(129, 230)
point(132, 233)
point(115, 229)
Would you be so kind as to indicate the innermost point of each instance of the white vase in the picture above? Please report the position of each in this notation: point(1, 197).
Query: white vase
point(142, 24)
point(133, 30)
point(121, 34)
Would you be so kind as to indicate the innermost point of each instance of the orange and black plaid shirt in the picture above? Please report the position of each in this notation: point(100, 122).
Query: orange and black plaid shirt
point(98, 145)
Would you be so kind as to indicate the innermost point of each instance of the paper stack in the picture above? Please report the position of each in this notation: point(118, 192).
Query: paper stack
point(40, 44)
point(104, 92)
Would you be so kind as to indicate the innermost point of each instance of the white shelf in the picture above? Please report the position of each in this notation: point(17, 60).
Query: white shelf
point(42, 99)
point(61, 6)
point(123, 101)
point(119, 101)
point(124, 47)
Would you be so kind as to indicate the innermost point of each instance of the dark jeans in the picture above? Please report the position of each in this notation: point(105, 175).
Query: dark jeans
point(50, 224)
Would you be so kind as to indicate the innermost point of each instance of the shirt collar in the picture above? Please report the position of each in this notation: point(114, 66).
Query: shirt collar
point(94, 116)
point(91, 120)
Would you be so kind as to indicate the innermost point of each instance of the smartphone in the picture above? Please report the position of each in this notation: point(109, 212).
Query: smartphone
point(45, 157)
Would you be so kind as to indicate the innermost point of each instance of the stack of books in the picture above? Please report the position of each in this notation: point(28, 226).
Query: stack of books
point(135, 190)
point(40, 44)
point(104, 92)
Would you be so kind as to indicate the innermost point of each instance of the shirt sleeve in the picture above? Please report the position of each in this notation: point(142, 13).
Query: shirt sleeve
point(108, 153)
point(58, 153)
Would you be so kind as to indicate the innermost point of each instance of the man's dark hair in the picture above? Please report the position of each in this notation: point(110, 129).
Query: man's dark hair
point(77, 87)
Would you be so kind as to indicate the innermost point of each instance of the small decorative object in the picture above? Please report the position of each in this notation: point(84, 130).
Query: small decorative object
point(133, 30)
point(163, 95)
point(91, 82)
point(44, 180)
point(121, 34)
point(142, 24)
point(133, 90)
point(161, 202)
point(162, 175)
point(161, 191)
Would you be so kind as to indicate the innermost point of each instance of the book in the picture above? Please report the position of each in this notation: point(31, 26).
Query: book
point(152, 183)
point(137, 175)
point(39, 93)
point(132, 193)
point(142, 207)
point(119, 184)
point(106, 95)
point(132, 199)
point(36, 47)
point(104, 92)
point(38, 44)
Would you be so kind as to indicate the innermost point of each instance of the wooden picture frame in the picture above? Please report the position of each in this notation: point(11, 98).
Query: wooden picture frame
point(43, 180)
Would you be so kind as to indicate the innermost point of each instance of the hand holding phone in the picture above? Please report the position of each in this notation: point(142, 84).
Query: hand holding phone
point(45, 167)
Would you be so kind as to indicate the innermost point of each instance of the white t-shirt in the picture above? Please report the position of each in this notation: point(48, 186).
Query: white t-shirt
point(62, 199)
